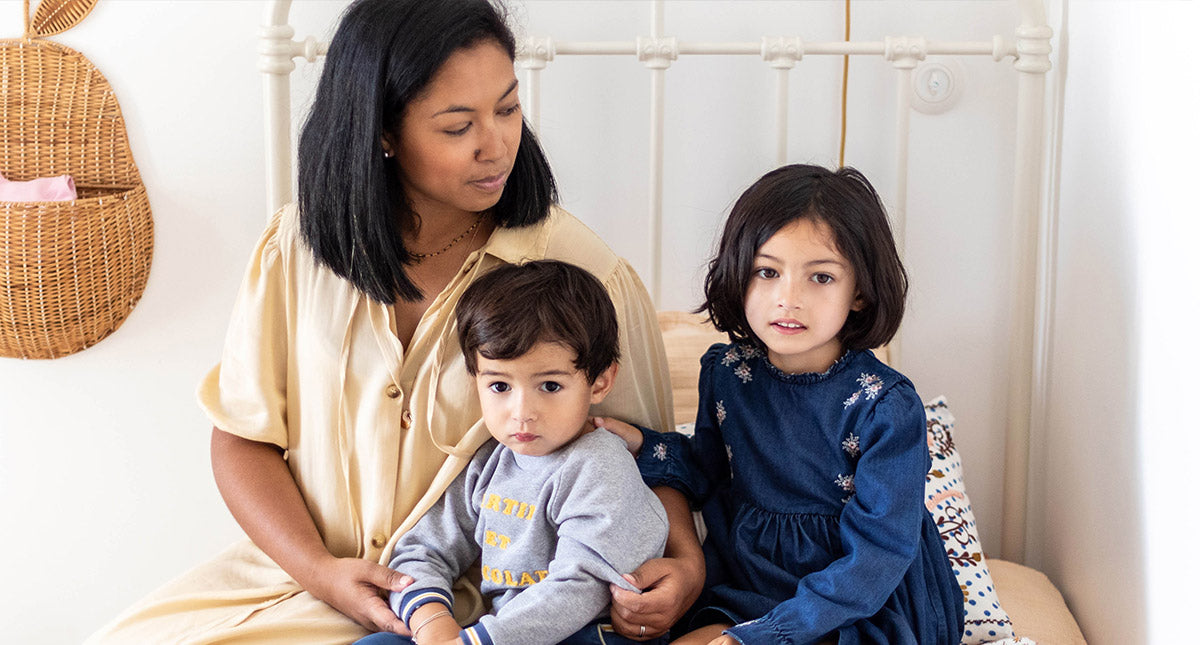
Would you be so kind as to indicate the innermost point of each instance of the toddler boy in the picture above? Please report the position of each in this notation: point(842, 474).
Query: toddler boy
point(553, 510)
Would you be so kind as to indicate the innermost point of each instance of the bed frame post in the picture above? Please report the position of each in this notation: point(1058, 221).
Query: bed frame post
point(276, 49)
point(1028, 311)
point(656, 52)
point(275, 61)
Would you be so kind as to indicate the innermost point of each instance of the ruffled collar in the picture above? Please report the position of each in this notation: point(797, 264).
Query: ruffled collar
point(808, 378)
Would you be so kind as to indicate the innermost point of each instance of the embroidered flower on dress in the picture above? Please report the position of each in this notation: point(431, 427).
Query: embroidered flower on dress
point(729, 452)
point(846, 483)
point(720, 412)
point(751, 352)
point(850, 445)
point(743, 372)
point(660, 451)
point(730, 357)
point(871, 385)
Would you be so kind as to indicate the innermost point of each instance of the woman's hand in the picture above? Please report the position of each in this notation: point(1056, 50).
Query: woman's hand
point(259, 490)
point(357, 587)
point(629, 434)
point(669, 584)
point(669, 587)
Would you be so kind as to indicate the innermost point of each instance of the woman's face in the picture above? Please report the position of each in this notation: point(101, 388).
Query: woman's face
point(458, 139)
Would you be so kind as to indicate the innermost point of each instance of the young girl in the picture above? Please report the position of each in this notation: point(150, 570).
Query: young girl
point(809, 457)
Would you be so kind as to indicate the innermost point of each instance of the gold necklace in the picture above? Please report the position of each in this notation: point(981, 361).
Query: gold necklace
point(470, 229)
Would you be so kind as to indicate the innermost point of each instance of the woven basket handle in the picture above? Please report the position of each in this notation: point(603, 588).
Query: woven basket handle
point(55, 16)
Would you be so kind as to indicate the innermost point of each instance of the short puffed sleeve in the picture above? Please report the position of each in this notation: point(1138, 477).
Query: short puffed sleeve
point(642, 392)
point(246, 393)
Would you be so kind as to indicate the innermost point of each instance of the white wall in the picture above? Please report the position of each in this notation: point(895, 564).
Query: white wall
point(104, 479)
point(1115, 511)
point(105, 487)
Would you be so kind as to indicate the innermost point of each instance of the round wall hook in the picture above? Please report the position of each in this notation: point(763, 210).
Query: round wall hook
point(937, 85)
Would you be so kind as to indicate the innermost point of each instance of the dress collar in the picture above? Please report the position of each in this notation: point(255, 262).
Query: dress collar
point(524, 243)
point(809, 377)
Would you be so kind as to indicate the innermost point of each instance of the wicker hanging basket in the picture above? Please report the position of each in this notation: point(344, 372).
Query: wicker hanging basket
point(70, 271)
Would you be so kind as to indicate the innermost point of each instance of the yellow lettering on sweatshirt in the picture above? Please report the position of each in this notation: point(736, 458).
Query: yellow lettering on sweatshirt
point(492, 538)
point(507, 506)
point(492, 503)
point(512, 578)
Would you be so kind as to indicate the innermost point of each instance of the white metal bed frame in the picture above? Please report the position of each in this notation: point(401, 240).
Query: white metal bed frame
point(1029, 47)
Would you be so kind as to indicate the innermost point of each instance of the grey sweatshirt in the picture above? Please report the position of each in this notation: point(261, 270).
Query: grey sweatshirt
point(551, 532)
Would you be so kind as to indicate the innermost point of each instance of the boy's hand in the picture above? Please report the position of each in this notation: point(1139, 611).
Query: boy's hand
point(723, 640)
point(629, 434)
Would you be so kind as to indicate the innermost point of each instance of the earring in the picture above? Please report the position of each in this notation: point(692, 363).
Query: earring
point(388, 154)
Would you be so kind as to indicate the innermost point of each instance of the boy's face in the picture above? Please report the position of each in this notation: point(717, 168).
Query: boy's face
point(538, 402)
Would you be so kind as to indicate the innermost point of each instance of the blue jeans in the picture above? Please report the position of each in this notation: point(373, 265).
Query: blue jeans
point(595, 633)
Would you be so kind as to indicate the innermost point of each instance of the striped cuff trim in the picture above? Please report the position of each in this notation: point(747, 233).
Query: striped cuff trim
point(476, 635)
point(419, 597)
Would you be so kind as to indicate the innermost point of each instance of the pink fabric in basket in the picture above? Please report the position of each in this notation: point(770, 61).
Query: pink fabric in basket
point(44, 189)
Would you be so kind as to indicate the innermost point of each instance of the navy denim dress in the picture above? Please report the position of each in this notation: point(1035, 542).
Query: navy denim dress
point(812, 491)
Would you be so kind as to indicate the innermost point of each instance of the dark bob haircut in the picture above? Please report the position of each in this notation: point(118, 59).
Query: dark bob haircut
point(844, 201)
point(352, 203)
point(511, 308)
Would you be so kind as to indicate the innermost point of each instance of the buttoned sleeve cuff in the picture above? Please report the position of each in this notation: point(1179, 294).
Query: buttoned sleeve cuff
point(406, 602)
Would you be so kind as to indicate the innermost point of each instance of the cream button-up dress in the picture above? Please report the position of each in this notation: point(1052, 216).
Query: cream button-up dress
point(373, 431)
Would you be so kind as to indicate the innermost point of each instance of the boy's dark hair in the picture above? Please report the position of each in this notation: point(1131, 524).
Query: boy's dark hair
point(352, 204)
point(511, 308)
point(844, 201)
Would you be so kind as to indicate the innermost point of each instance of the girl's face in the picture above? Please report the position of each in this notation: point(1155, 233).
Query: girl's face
point(801, 291)
point(458, 140)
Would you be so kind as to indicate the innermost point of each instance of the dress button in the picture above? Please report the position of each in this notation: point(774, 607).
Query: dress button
point(406, 419)
point(392, 391)
point(379, 541)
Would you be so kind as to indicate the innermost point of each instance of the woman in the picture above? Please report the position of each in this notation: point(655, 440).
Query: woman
point(341, 410)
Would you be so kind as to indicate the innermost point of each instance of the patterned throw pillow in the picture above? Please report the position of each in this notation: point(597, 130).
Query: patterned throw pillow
point(946, 498)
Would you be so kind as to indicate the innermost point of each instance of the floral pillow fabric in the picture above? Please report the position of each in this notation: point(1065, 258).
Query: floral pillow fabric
point(946, 498)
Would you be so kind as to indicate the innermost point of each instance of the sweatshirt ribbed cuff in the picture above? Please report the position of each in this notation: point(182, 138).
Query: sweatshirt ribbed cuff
point(417, 598)
point(476, 634)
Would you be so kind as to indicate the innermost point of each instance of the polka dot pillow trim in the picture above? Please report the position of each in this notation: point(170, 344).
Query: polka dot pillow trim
point(946, 498)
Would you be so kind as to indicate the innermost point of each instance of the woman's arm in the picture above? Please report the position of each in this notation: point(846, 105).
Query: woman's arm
point(259, 490)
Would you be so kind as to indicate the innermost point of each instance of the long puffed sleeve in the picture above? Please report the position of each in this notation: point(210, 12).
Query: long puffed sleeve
point(642, 392)
point(695, 465)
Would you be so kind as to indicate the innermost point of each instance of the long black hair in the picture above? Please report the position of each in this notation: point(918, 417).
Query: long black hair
point(352, 203)
point(844, 201)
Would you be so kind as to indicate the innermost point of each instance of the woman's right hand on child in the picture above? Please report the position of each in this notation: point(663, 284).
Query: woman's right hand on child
point(629, 434)
point(353, 586)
